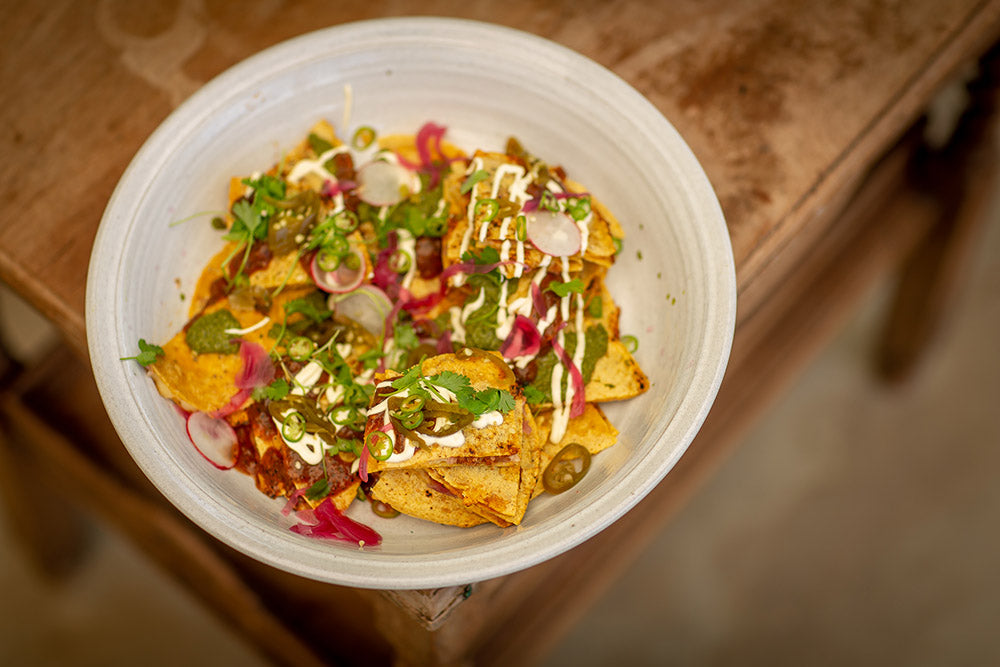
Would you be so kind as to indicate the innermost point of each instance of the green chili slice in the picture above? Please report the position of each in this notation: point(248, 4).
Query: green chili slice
point(383, 510)
point(631, 343)
point(487, 208)
point(412, 420)
point(400, 261)
point(342, 415)
point(379, 445)
point(411, 404)
point(352, 261)
point(578, 209)
point(300, 348)
point(363, 137)
point(293, 426)
point(336, 244)
point(521, 230)
point(567, 468)
point(327, 260)
point(345, 221)
point(549, 201)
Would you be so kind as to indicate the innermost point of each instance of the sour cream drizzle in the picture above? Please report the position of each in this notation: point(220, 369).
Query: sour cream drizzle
point(562, 403)
point(407, 243)
point(306, 166)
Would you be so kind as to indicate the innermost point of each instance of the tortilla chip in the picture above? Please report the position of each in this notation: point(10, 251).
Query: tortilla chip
point(413, 492)
point(498, 493)
point(616, 376)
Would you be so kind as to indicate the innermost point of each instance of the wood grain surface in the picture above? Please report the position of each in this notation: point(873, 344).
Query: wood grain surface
point(783, 102)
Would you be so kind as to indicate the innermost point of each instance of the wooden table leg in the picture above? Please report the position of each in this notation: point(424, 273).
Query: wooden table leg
point(963, 176)
point(51, 530)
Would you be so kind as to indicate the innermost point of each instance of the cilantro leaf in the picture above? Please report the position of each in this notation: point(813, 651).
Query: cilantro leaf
point(489, 400)
point(246, 214)
point(562, 289)
point(277, 390)
point(408, 379)
point(486, 256)
point(506, 402)
point(267, 185)
point(405, 336)
point(147, 353)
point(308, 307)
point(319, 490)
point(370, 357)
point(533, 395)
point(452, 381)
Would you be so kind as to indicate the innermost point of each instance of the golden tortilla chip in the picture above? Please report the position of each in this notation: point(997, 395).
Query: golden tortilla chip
point(482, 486)
point(413, 492)
point(616, 376)
point(490, 491)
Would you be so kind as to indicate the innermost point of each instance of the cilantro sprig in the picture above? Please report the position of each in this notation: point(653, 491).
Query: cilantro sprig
point(250, 216)
point(467, 397)
point(148, 353)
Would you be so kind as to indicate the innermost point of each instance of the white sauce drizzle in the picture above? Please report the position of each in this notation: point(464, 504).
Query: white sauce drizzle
point(306, 166)
point(250, 329)
point(562, 403)
point(406, 242)
point(475, 165)
point(348, 103)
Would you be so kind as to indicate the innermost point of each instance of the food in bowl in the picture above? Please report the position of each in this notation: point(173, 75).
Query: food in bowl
point(396, 320)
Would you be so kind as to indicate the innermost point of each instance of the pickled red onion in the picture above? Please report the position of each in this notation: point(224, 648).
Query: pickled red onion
point(524, 339)
point(326, 521)
point(579, 400)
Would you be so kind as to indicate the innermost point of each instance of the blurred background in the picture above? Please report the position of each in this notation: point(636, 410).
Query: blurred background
point(856, 524)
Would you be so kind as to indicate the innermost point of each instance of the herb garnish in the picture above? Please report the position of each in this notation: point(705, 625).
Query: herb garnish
point(147, 353)
point(476, 402)
point(563, 289)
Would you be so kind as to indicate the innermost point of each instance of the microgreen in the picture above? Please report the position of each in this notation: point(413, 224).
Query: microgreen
point(319, 490)
point(147, 353)
point(563, 289)
point(311, 308)
point(474, 177)
point(533, 395)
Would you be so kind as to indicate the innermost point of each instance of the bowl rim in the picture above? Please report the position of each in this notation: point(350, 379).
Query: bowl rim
point(420, 573)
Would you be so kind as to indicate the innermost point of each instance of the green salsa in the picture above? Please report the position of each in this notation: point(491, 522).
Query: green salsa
point(596, 340)
point(208, 333)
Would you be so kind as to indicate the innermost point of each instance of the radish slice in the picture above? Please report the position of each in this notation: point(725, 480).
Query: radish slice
point(367, 305)
point(213, 438)
point(383, 183)
point(342, 279)
point(554, 233)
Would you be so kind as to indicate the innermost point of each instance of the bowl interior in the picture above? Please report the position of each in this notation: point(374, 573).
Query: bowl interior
point(674, 280)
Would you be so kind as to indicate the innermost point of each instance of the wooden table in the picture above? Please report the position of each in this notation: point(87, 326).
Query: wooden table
point(806, 116)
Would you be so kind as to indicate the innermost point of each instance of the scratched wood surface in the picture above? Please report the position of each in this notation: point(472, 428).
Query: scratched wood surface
point(783, 101)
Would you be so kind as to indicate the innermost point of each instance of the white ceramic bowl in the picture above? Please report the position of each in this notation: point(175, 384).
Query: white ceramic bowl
point(485, 83)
